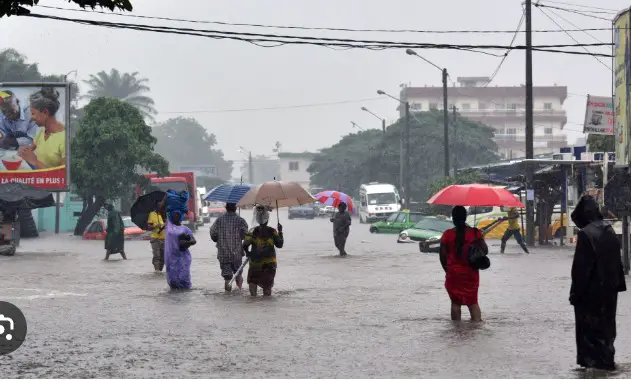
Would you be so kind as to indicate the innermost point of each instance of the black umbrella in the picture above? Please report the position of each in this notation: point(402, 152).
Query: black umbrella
point(20, 196)
point(144, 205)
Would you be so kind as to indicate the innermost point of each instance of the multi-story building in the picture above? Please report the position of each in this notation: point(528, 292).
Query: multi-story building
point(503, 108)
point(293, 167)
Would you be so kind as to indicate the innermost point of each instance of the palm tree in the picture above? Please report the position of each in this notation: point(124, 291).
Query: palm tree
point(127, 87)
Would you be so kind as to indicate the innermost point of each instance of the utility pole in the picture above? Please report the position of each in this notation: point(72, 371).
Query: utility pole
point(530, 202)
point(407, 155)
point(383, 125)
point(250, 168)
point(446, 124)
point(455, 137)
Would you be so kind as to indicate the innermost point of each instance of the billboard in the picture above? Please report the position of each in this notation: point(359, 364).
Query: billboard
point(622, 79)
point(34, 144)
point(599, 116)
point(200, 170)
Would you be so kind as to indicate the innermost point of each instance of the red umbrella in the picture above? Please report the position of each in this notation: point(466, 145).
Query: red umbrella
point(475, 195)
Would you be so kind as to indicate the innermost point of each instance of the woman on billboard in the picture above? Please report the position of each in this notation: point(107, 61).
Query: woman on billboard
point(49, 147)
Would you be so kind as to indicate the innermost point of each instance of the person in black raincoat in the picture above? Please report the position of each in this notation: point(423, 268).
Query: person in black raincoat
point(115, 238)
point(597, 278)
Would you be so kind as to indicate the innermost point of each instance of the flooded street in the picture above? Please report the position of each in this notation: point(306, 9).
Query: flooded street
point(380, 312)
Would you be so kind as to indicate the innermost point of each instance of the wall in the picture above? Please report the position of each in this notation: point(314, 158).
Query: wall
point(301, 175)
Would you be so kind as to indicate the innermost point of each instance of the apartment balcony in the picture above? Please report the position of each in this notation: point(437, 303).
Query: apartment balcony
point(538, 114)
point(539, 141)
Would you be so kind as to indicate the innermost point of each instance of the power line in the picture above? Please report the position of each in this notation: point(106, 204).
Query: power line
point(273, 107)
point(581, 6)
point(581, 13)
point(257, 38)
point(497, 69)
point(574, 25)
point(572, 37)
point(313, 28)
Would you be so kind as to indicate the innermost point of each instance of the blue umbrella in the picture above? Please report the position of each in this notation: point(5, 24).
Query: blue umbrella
point(228, 193)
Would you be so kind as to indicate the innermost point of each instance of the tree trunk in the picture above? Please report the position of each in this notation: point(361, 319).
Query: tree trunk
point(91, 207)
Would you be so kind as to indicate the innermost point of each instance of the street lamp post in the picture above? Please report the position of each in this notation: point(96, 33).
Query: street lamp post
point(250, 165)
point(405, 176)
point(383, 121)
point(445, 107)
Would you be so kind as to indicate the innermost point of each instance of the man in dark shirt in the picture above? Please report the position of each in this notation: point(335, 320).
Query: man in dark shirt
point(341, 227)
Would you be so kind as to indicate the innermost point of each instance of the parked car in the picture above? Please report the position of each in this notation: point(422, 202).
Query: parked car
point(427, 233)
point(397, 222)
point(96, 230)
point(216, 209)
point(302, 211)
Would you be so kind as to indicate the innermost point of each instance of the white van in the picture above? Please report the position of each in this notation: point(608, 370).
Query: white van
point(377, 202)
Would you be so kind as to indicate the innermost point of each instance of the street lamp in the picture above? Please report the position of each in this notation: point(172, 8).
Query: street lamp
point(403, 179)
point(383, 121)
point(411, 52)
point(250, 166)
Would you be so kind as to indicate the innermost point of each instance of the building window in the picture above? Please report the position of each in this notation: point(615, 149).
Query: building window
point(547, 106)
point(547, 131)
point(499, 106)
point(293, 166)
point(451, 106)
point(466, 106)
point(511, 131)
point(416, 106)
point(513, 106)
point(433, 106)
point(482, 106)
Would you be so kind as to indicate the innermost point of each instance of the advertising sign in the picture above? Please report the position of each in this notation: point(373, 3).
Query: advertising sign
point(34, 148)
point(599, 116)
point(622, 79)
point(201, 170)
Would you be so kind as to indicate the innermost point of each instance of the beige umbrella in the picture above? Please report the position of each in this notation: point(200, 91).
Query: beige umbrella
point(279, 194)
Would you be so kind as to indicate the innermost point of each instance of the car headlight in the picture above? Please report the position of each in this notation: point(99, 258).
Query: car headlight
point(403, 235)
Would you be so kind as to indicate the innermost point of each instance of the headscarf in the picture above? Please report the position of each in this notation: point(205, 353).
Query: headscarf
point(176, 202)
point(586, 212)
point(261, 215)
point(459, 218)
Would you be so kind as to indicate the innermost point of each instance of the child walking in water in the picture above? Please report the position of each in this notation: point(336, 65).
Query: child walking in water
point(260, 245)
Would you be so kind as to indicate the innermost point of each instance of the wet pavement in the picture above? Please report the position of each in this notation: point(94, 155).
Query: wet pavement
point(380, 312)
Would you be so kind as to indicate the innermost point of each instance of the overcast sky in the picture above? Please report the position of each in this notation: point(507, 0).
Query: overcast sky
point(200, 77)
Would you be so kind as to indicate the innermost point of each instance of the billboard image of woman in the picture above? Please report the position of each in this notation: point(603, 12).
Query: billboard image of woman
point(33, 135)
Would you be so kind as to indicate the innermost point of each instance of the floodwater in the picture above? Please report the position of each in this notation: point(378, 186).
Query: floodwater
point(380, 312)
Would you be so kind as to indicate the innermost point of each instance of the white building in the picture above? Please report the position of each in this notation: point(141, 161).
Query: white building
point(502, 108)
point(293, 167)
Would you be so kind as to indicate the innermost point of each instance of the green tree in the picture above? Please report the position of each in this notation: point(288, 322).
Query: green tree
point(601, 143)
point(19, 7)
point(183, 142)
point(373, 156)
point(109, 152)
point(128, 87)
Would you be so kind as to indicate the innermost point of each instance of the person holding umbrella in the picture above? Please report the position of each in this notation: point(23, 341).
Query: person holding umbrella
point(228, 232)
point(156, 224)
point(341, 228)
point(260, 245)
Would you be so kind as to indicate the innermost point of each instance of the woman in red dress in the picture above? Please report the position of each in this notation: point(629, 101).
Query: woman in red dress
point(462, 280)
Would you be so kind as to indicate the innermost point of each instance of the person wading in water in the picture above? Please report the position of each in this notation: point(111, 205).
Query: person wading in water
point(228, 231)
point(597, 278)
point(115, 238)
point(462, 280)
point(260, 246)
point(513, 231)
point(341, 228)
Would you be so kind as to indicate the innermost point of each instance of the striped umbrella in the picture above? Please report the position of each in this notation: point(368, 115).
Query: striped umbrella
point(228, 193)
point(334, 198)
